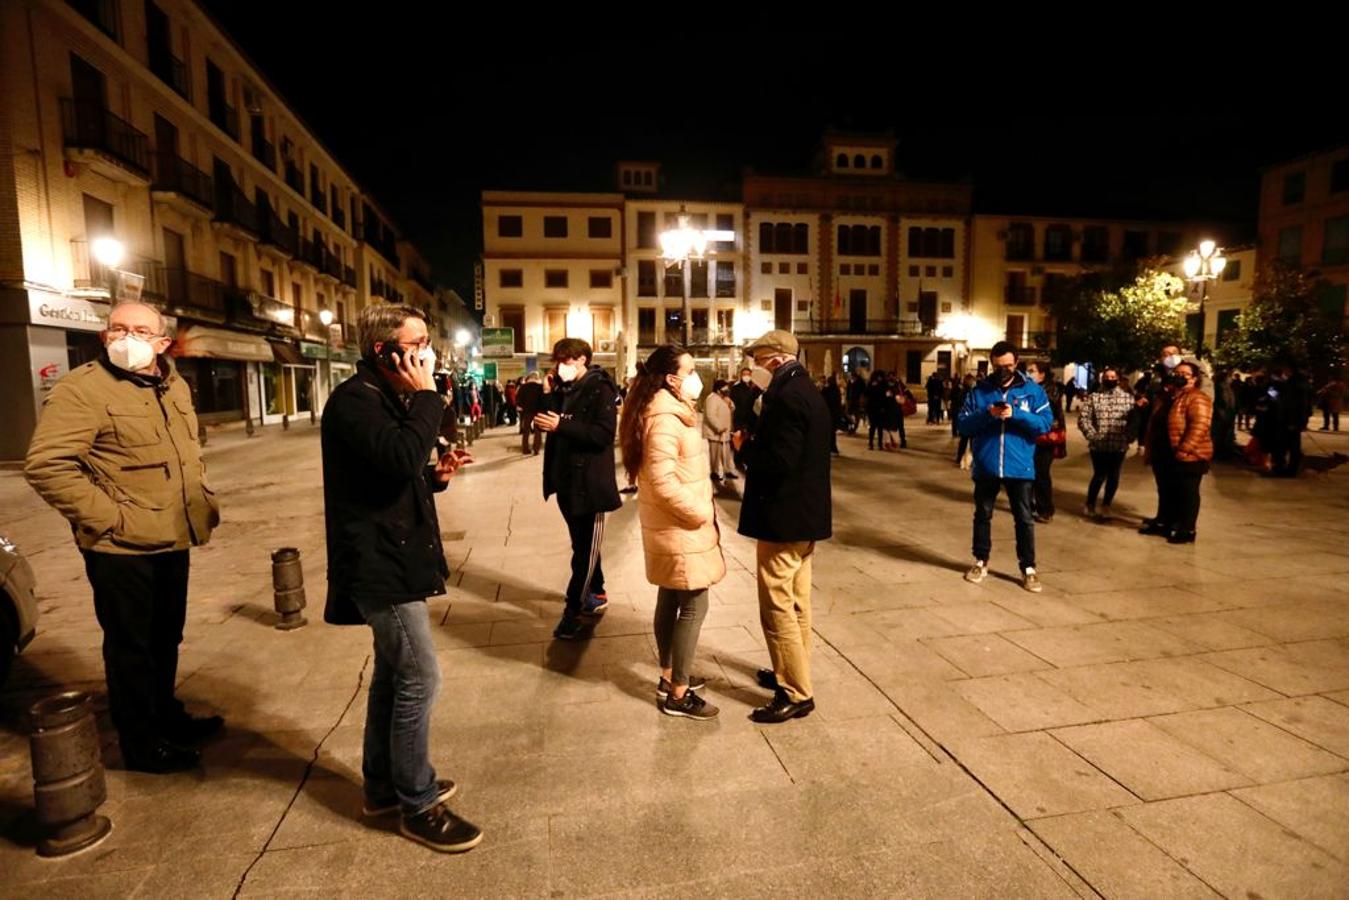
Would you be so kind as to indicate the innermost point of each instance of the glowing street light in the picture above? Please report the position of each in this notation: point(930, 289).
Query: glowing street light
point(684, 244)
point(108, 251)
point(1204, 265)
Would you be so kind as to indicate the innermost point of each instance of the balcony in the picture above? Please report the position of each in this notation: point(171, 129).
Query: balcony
point(235, 212)
point(1020, 295)
point(330, 264)
point(311, 254)
point(106, 143)
point(226, 118)
point(710, 337)
point(172, 71)
point(424, 280)
point(276, 234)
point(193, 293)
point(888, 327)
point(182, 185)
point(319, 199)
point(89, 274)
point(293, 177)
point(102, 13)
point(349, 276)
point(264, 151)
point(339, 217)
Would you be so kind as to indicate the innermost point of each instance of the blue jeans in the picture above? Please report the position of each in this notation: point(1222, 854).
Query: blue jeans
point(398, 715)
point(1019, 496)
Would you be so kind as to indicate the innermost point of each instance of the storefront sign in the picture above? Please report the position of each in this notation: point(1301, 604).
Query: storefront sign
point(498, 342)
point(48, 375)
point(489, 371)
point(75, 313)
point(313, 351)
point(129, 286)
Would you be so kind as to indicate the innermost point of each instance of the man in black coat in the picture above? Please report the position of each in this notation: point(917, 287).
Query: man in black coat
point(385, 558)
point(580, 416)
point(527, 400)
point(787, 508)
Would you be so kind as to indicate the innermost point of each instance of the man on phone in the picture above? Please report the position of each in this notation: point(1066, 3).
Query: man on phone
point(385, 559)
point(1002, 417)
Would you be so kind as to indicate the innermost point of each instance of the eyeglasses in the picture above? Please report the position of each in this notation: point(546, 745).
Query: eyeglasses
point(145, 334)
point(416, 345)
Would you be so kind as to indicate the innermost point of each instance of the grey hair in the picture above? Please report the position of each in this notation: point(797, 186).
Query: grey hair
point(121, 303)
point(379, 324)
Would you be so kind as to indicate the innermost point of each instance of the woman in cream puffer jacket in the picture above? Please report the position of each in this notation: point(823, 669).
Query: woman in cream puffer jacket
point(663, 447)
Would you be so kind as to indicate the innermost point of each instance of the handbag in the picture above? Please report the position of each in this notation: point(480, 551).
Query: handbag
point(908, 406)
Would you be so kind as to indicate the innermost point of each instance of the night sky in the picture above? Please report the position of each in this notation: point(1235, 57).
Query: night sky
point(440, 116)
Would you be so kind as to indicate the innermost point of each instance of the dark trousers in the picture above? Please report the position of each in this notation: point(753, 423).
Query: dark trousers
point(1043, 495)
point(1105, 466)
point(526, 430)
point(876, 426)
point(587, 575)
point(1177, 495)
point(1019, 496)
point(1330, 417)
point(960, 450)
point(141, 604)
point(1285, 454)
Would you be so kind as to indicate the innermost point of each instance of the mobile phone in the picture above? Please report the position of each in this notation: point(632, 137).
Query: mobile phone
point(1001, 404)
point(386, 353)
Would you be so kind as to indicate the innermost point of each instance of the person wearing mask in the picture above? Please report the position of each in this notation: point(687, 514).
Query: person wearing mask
point(935, 395)
point(527, 401)
point(1179, 449)
point(857, 388)
point(1289, 408)
point(718, 413)
point(1048, 447)
point(1003, 416)
point(1105, 419)
point(1150, 389)
point(787, 509)
point(876, 400)
point(580, 416)
point(663, 452)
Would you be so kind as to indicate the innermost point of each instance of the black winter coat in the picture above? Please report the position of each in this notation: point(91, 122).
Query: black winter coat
point(380, 516)
point(578, 458)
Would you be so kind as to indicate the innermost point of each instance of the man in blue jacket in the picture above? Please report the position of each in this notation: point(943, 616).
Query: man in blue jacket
point(1002, 416)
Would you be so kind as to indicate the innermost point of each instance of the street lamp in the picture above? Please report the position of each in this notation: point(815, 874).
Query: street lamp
point(326, 320)
point(682, 245)
point(108, 253)
point(1204, 265)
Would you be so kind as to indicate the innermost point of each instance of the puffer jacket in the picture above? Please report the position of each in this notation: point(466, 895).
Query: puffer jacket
point(717, 412)
point(1188, 426)
point(680, 538)
point(1005, 448)
point(116, 453)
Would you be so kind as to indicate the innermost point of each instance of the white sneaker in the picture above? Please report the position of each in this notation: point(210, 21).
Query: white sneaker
point(1031, 581)
point(977, 572)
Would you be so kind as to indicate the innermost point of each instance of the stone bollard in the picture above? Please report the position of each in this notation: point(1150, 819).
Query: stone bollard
point(285, 421)
point(68, 784)
point(288, 583)
point(248, 426)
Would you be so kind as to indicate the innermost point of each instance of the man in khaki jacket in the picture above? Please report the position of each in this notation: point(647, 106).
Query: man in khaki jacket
point(116, 453)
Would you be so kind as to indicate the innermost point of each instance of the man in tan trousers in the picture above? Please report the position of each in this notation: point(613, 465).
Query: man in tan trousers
point(787, 508)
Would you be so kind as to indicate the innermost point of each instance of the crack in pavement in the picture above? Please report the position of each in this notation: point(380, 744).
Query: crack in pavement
point(304, 779)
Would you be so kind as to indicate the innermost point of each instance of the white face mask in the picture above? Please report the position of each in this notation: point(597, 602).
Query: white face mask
point(1171, 361)
point(692, 387)
point(131, 353)
point(745, 379)
point(568, 372)
point(428, 357)
point(761, 377)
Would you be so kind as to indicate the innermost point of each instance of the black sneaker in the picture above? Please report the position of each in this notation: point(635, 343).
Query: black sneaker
point(569, 628)
point(187, 730)
point(447, 790)
point(696, 683)
point(690, 706)
point(159, 758)
point(441, 830)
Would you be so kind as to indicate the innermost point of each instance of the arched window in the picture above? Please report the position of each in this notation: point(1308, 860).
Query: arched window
point(842, 161)
point(859, 161)
point(877, 162)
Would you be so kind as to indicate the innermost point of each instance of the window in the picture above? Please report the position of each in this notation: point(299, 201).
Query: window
point(844, 241)
point(929, 271)
point(766, 237)
point(1290, 244)
point(627, 177)
point(1294, 188)
point(674, 281)
point(554, 324)
point(801, 238)
point(842, 161)
point(948, 271)
point(726, 222)
point(698, 278)
point(784, 268)
point(554, 226)
point(1232, 271)
point(1095, 243)
point(873, 269)
point(725, 324)
point(859, 161)
point(1227, 322)
point(1170, 243)
point(511, 278)
point(1135, 245)
point(845, 269)
point(1020, 240)
point(1016, 330)
point(601, 324)
point(1058, 243)
point(916, 242)
point(268, 283)
point(510, 226)
point(555, 278)
point(766, 268)
point(725, 279)
point(646, 230)
point(782, 237)
point(296, 293)
point(646, 278)
point(877, 162)
point(646, 327)
point(802, 268)
point(647, 179)
point(601, 227)
point(514, 319)
point(948, 243)
point(1335, 251)
point(1339, 176)
point(913, 271)
point(601, 278)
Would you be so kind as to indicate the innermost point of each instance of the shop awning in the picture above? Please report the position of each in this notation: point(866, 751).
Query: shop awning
point(289, 355)
point(220, 343)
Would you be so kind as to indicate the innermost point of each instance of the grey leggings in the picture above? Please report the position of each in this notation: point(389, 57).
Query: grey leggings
point(679, 619)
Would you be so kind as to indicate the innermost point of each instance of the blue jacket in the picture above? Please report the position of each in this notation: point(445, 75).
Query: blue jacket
point(1005, 448)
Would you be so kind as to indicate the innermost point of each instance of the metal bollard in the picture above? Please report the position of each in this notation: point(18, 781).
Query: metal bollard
point(288, 583)
point(68, 784)
point(285, 421)
point(248, 426)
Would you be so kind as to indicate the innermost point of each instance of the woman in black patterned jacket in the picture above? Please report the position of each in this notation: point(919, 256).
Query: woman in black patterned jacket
point(1107, 419)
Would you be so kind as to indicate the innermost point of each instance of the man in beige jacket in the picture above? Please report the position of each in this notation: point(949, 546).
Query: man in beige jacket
point(116, 453)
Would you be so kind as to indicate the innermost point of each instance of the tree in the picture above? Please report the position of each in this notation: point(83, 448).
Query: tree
point(1122, 324)
point(1284, 323)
